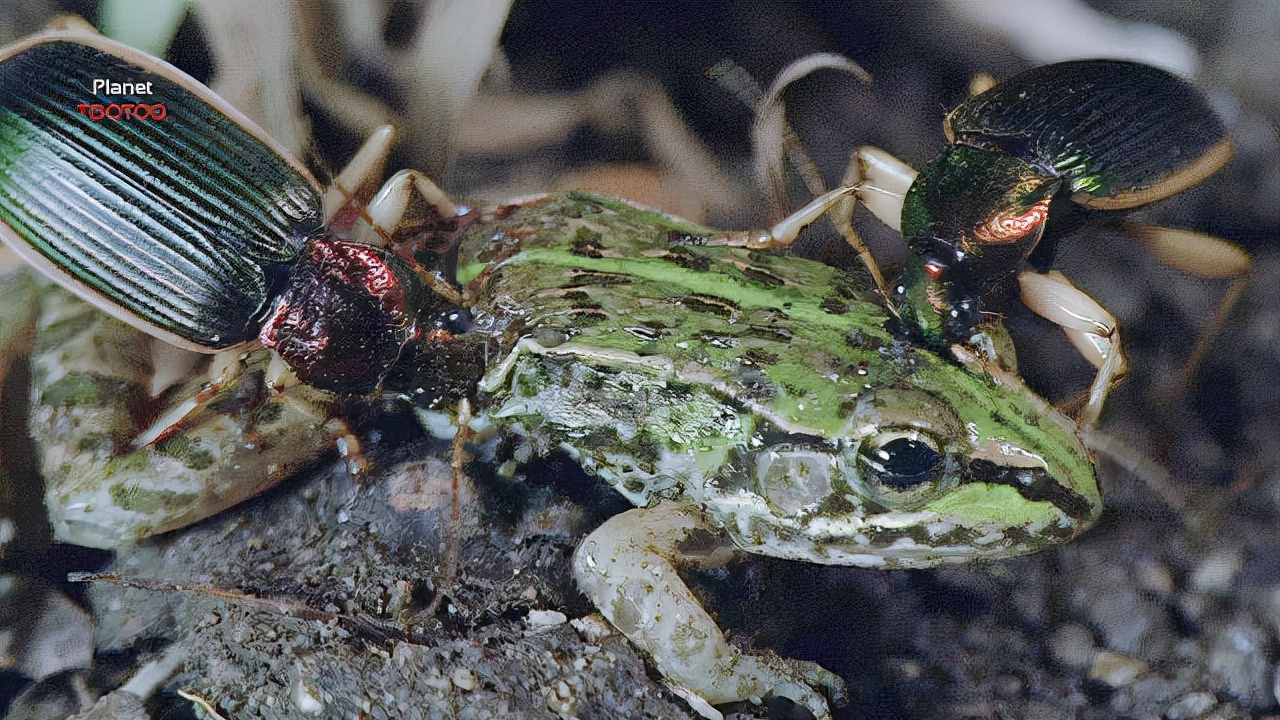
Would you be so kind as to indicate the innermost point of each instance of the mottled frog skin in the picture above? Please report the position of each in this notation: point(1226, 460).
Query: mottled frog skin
point(760, 395)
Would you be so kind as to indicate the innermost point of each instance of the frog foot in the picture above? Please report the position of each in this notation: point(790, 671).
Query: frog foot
point(627, 568)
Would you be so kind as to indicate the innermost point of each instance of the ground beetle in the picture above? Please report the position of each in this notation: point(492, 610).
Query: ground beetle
point(193, 225)
point(1109, 134)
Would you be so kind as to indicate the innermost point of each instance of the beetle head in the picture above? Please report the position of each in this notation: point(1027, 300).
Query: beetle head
point(970, 219)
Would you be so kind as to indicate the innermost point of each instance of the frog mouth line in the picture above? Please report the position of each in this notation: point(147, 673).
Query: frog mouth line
point(1034, 484)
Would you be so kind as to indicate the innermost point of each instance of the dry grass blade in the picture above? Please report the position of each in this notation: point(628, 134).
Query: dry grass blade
point(449, 56)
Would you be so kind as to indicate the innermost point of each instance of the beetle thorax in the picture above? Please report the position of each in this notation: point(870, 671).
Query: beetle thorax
point(341, 322)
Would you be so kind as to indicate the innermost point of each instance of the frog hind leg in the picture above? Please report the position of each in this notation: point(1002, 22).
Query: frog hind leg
point(626, 568)
point(89, 380)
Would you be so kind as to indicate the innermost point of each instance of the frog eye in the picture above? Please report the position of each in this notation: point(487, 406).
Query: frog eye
point(903, 460)
point(901, 469)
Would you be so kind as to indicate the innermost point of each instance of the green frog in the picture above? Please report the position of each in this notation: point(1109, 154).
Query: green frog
point(758, 397)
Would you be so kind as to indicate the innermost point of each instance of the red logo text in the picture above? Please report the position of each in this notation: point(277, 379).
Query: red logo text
point(98, 112)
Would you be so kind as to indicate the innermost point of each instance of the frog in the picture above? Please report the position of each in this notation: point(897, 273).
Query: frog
point(734, 393)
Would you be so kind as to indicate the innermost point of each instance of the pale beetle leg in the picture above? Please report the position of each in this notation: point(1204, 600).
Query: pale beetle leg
point(389, 207)
point(223, 369)
point(457, 466)
point(1203, 256)
point(874, 177)
point(363, 170)
point(1090, 327)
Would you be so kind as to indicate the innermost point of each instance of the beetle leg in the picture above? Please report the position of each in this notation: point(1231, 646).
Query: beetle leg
point(885, 180)
point(1204, 256)
point(1201, 255)
point(1090, 327)
point(223, 369)
point(626, 567)
point(874, 177)
point(459, 457)
point(353, 187)
point(223, 372)
point(409, 201)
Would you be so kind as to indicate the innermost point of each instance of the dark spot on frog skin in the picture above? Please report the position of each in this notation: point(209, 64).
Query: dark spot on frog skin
point(687, 259)
point(847, 285)
point(834, 306)
point(763, 277)
point(759, 357)
point(587, 278)
point(755, 384)
point(769, 333)
point(678, 238)
point(708, 304)
point(856, 339)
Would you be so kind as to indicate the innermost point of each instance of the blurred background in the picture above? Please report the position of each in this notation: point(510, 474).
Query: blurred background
point(1171, 607)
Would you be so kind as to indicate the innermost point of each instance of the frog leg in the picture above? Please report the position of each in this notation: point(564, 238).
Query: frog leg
point(874, 177)
point(18, 298)
point(626, 567)
point(89, 385)
point(1090, 327)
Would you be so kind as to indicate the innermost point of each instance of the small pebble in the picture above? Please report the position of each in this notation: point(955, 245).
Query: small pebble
point(305, 698)
point(1153, 577)
point(438, 682)
point(1190, 706)
point(464, 679)
point(539, 619)
point(1116, 669)
point(592, 628)
point(1238, 661)
point(1216, 573)
point(1072, 646)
